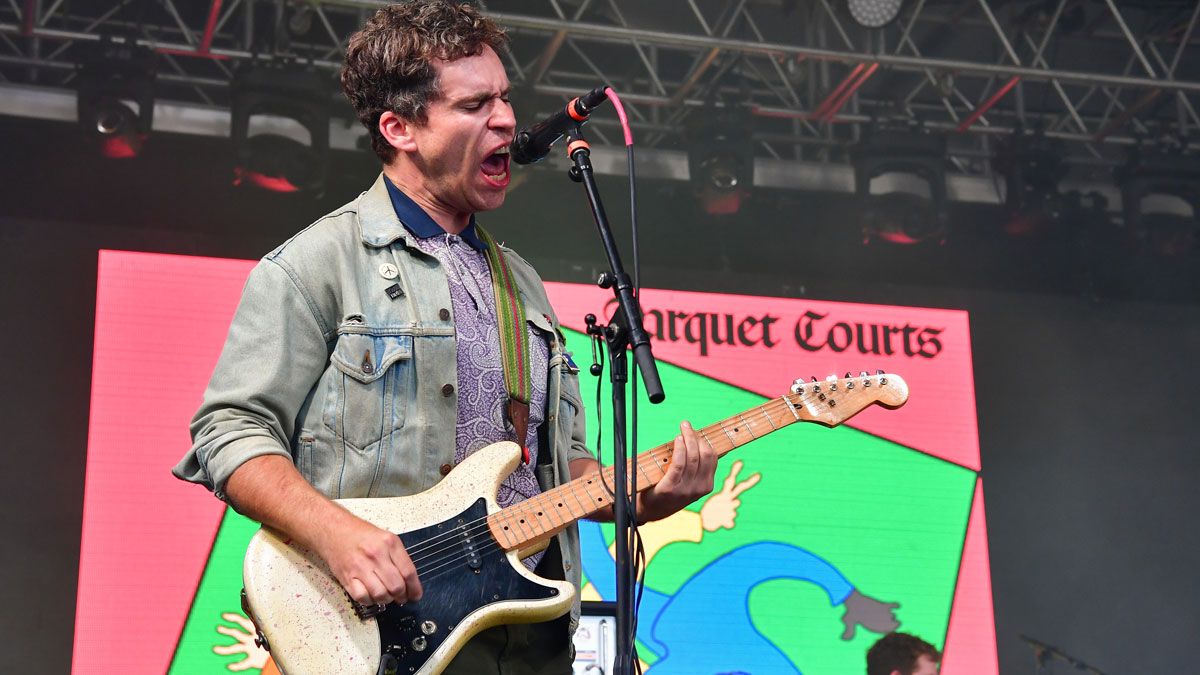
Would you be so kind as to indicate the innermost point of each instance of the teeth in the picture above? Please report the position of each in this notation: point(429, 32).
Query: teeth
point(499, 177)
point(501, 151)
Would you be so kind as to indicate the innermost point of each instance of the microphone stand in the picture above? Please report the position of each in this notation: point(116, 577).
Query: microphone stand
point(624, 330)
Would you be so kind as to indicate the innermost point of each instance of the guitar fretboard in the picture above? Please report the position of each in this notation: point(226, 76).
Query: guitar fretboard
point(543, 516)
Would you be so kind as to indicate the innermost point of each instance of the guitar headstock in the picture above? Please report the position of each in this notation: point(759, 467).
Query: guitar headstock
point(834, 400)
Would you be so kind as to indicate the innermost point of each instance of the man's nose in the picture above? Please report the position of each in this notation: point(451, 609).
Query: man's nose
point(503, 117)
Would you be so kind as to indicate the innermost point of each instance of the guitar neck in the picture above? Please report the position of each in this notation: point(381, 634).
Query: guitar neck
point(538, 518)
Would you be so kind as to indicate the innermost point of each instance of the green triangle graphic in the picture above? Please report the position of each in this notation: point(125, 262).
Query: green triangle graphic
point(219, 593)
point(890, 519)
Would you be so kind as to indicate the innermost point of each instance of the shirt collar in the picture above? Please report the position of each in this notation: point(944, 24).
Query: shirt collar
point(416, 221)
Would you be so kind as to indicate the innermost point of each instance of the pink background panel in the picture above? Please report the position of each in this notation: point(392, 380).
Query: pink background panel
point(160, 324)
point(971, 637)
point(938, 419)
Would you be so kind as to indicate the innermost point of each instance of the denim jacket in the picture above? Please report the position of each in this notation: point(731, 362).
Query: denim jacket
point(338, 357)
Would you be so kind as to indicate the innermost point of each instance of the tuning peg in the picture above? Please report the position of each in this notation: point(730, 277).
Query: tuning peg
point(813, 377)
point(863, 374)
point(798, 386)
point(879, 372)
point(848, 375)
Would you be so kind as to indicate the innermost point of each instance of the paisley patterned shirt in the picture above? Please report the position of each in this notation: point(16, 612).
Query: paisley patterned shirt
point(482, 396)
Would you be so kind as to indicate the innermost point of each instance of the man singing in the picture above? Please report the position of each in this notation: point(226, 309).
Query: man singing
point(365, 358)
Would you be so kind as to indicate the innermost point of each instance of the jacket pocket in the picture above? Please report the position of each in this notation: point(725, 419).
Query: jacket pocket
point(570, 405)
point(371, 381)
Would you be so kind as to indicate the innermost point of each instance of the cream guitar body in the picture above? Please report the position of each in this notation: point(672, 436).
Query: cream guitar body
point(470, 583)
point(467, 550)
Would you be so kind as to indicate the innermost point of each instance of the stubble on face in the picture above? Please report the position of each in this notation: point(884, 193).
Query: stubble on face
point(467, 122)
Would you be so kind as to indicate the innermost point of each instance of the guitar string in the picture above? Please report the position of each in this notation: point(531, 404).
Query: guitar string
point(445, 564)
point(454, 553)
point(477, 526)
point(446, 542)
point(455, 549)
point(473, 528)
point(491, 546)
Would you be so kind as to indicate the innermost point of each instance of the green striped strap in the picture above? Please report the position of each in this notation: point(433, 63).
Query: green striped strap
point(514, 337)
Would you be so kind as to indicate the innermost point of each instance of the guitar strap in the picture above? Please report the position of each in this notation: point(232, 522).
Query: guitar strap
point(514, 338)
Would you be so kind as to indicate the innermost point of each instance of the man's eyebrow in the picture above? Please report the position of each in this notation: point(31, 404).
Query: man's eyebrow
point(483, 96)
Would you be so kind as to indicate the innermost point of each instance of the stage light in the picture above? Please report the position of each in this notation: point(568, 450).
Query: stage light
point(300, 20)
point(114, 78)
point(874, 13)
point(1160, 194)
point(1032, 166)
point(721, 158)
point(900, 180)
point(293, 95)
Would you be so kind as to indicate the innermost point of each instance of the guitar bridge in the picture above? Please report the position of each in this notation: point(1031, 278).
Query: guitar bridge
point(367, 611)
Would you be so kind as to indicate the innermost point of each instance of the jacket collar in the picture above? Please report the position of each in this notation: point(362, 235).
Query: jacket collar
point(385, 215)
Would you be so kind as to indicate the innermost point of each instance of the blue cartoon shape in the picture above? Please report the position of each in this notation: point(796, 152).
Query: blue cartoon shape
point(720, 589)
point(712, 607)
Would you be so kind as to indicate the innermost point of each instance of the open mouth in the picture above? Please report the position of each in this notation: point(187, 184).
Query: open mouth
point(495, 166)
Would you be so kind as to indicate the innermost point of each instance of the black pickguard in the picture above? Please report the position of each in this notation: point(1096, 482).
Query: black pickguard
point(461, 569)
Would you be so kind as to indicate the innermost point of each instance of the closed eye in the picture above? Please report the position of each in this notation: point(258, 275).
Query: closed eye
point(475, 104)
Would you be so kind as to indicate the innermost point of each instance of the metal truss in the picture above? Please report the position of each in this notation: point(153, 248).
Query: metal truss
point(1099, 75)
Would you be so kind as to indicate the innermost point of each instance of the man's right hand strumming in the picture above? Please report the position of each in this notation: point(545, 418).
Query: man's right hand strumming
point(369, 562)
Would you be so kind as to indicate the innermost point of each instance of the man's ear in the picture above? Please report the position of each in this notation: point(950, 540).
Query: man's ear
point(397, 131)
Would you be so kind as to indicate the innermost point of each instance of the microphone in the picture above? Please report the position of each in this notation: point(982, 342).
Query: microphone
point(532, 144)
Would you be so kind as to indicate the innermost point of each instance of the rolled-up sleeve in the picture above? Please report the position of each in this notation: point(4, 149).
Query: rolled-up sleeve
point(275, 352)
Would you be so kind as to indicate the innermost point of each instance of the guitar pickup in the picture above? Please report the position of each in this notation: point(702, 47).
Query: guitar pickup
point(474, 561)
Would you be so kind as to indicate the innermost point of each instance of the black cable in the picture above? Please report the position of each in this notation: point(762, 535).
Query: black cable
point(635, 536)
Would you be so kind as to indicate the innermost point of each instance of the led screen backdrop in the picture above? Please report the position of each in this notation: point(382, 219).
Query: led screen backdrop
point(814, 541)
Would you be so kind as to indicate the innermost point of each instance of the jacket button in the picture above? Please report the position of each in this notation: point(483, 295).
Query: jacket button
point(446, 469)
point(447, 389)
point(444, 314)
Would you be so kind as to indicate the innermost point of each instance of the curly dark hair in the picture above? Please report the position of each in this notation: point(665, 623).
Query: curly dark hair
point(899, 651)
point(389, 61)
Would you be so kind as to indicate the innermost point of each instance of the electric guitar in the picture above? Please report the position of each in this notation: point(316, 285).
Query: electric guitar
point(468, 551)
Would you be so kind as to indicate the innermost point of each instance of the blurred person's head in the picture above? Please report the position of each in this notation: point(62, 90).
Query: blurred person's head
point(902, 654)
